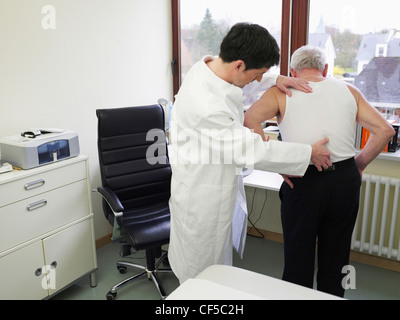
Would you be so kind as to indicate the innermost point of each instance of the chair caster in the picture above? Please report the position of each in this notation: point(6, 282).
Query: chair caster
point(121, 269)
point(111, 295)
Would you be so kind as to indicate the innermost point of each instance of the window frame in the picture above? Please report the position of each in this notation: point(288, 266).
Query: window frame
point(294, 34)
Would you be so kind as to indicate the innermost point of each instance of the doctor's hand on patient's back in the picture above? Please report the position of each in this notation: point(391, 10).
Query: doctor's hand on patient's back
point(320, 156)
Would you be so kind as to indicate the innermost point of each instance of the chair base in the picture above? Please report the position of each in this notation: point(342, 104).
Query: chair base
point(151, 275)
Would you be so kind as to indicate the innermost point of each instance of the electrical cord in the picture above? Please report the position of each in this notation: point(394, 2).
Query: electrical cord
point(261, 235)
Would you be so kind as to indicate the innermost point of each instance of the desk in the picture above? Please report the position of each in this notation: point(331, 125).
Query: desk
point(264, 180)
point(269, 219)
point(392, 156)
point(272, 181)
point(220, 282)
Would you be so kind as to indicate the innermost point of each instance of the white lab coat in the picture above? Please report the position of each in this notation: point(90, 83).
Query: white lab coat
point(203, 191)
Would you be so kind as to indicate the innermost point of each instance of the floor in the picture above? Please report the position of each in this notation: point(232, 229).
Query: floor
point(262, 256)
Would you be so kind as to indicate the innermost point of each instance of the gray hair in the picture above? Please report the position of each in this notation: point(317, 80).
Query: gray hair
point(308, 57)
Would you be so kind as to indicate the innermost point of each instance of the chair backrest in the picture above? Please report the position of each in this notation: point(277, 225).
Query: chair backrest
point(127, 152)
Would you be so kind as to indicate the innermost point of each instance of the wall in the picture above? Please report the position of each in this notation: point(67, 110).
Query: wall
point(98, 54)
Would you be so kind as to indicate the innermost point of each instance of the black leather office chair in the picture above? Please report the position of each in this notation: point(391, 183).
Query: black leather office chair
point(136, 175)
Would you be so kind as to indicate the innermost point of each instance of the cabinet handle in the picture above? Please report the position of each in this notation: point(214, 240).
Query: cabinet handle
point(38, 272)
point(34, 184)
point(36, 205)
point(53, 265)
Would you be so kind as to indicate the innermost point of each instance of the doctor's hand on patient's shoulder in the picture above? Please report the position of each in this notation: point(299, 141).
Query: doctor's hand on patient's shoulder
point(284, 83)
point(320, 156)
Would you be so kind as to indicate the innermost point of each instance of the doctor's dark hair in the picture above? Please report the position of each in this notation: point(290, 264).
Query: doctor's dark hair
point(251, 43)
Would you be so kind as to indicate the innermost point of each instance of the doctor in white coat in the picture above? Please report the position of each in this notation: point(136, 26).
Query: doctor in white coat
point(210, 146)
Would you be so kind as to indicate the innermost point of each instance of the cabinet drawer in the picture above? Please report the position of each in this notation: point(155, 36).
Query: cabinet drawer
point(31, 185)
point(32, 217)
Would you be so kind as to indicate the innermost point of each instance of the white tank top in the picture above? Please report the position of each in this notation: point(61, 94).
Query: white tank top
point(329, 111)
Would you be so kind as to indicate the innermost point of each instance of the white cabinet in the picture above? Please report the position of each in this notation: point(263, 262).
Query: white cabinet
point(46, 229)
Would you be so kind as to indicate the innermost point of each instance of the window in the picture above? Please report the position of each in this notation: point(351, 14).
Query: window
point(362, 42)
point(204, 23)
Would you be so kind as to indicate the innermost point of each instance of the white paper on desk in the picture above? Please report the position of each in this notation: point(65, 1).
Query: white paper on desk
point(239, 223)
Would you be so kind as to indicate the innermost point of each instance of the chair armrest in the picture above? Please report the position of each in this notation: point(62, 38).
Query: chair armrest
point(112, 200)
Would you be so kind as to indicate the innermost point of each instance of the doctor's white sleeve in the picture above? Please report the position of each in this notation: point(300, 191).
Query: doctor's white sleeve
point(238, 145)
point(274, 156)
point(270, 79)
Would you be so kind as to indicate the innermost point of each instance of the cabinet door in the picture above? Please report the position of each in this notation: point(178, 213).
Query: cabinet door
point(70, 255)
point(22, 274)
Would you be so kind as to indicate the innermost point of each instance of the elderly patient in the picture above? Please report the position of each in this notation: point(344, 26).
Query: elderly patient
point(322, 206)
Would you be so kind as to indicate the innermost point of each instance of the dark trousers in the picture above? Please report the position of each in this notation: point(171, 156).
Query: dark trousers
point(320, 212)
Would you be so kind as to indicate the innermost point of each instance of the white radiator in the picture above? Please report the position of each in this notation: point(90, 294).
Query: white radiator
point(377, 230)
